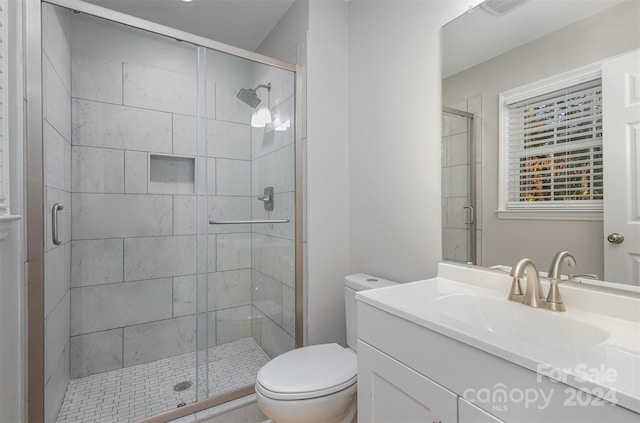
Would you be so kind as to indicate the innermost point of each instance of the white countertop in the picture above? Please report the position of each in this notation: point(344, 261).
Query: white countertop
point(608, 368)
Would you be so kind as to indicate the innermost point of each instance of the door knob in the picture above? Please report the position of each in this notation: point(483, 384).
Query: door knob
point(615, 238)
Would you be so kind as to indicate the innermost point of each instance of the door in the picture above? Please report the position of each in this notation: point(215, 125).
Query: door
point(621, 114)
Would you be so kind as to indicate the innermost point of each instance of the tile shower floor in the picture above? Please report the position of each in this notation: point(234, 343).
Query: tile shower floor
point(137, 392)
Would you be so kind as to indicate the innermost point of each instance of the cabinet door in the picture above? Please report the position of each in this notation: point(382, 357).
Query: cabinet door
point(390, 392)
point(469, 413)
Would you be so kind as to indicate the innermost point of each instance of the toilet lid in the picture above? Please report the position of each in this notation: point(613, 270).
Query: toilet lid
point(309, 372)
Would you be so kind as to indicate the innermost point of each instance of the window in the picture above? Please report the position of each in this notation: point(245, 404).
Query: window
point(551, 146)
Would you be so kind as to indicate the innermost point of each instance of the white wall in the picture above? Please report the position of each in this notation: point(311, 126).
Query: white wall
point(328, 196)
point(394, 136)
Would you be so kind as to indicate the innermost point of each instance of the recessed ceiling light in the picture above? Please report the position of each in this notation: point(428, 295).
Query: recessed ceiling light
point(187, 1)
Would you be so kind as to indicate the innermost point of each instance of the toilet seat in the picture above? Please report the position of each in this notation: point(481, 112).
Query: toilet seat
point(308, 372)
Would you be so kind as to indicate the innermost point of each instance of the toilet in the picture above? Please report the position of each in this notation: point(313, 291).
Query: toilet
point(317, 384)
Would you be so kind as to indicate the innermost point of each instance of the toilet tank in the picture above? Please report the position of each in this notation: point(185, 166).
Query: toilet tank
point(353, 284)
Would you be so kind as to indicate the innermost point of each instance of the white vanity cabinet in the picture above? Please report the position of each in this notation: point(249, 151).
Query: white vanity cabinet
point(410, 373)
point(388, 389)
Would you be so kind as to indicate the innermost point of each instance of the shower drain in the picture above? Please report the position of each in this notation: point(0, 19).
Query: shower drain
point(182, 386)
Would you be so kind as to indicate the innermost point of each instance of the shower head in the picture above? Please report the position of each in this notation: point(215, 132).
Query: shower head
point(249, 95)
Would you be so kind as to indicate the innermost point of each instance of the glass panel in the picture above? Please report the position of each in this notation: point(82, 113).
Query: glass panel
point(456, 188)
point(120, 131)
point(251, 177)
point(148, 306)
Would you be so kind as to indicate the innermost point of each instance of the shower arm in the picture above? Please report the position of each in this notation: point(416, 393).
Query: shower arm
point(268, 87)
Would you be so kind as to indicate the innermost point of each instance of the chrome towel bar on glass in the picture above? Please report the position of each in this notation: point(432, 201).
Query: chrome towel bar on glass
point(245, 222)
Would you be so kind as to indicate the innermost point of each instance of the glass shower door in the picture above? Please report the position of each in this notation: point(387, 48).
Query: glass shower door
point(458, 187)
point(251, 180)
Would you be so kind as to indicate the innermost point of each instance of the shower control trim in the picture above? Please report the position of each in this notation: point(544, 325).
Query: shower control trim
point(267, 198)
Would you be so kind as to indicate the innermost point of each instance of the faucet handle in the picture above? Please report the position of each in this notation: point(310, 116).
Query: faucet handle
point(554, 299)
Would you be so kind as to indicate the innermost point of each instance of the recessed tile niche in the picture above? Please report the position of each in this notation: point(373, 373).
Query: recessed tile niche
point(171, 174)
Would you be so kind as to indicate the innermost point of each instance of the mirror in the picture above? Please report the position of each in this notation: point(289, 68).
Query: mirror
point(486, 54)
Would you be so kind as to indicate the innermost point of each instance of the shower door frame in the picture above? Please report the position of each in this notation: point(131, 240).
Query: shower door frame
point(35, 190)
point(472, 226)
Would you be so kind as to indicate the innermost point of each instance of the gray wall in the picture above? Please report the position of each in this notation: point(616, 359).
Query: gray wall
point(612, 32)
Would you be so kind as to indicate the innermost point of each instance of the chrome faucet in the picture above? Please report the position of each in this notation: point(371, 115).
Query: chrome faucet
point(533, 294)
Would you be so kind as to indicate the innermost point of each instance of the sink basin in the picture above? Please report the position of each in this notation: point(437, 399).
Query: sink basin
point(516, 322)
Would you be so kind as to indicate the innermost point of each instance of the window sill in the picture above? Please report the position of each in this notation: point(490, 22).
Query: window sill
point(575, 215)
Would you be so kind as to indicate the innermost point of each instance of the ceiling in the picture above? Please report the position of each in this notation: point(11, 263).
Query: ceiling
point(241, 23)
point(484, 36)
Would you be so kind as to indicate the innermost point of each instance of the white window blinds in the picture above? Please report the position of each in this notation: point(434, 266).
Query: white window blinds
point(4, 143)
point(554, 151)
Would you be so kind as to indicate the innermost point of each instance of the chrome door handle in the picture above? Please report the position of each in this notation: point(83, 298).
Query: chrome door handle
point(472, 214)
point(55, 235)
point(615, 238)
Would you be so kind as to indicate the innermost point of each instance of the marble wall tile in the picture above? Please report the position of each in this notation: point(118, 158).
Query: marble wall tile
point(96, 78)
point(229, 289)
point(233, 324)
point(56, 335)
point(228, 140)
point(159, 89)
point(212, 251)
point(274, 340)
point(98, 170)
point(156, 257)
point(57, 101)
point(121, 215)
point(266, 296)
point(289, 310)
point(56, 276)
point(184, 295)
point(230, 208)
point(64, 216)
point(274, 257)
point(55, 159)
point(456, 149)
point(156, 340)
point(96, 262)
point(184, 214)
point(283, 208)
point(55, 41)
point(211, 329)
point(185, 135)
point(456, 215)
point(233, 177)
point(455, 181)
point(135, 172)
point(229, 108)
point(102, 307)
point(455, 245)
point(233, 251)
point(106, 125)
point(95, 353)
point(275, 169)
point(256, 318)
point(211, 176)
point(56, 387)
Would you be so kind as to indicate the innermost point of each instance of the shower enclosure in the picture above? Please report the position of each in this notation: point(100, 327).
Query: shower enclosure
point(459, 169)
point(164, 230)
